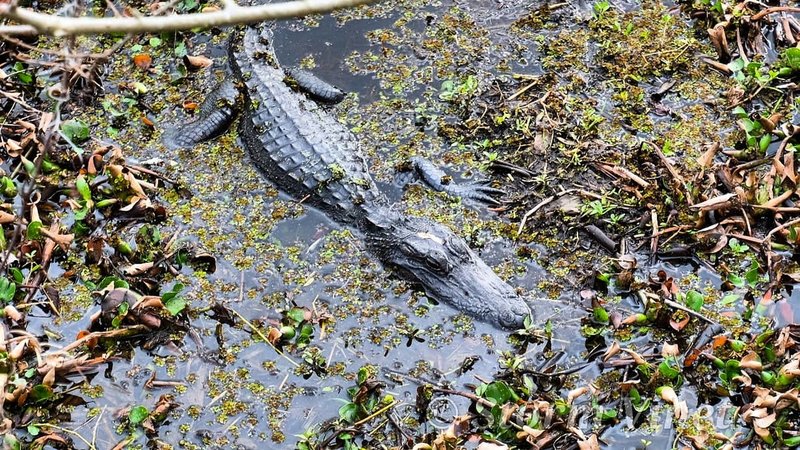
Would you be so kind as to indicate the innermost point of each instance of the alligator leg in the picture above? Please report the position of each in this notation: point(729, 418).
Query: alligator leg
point(215, 115)
point(475, 191)
point(319, 90)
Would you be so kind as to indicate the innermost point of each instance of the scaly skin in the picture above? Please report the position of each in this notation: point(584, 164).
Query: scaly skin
point(214, 117)
point(308, 154)
point(319, 90)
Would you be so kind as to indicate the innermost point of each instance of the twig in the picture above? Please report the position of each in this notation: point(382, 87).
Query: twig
point(779, 228)
point(264, 338)
point(761, 14)
point(674, 173)
point(601, 238)
point(654, 237)
point(40, 23)
point(376, 413)
point(644, 298)
point(67, 431)
point(533, 210)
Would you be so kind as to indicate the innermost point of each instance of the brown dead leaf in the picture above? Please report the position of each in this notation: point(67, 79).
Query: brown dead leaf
point(680, 408)
point(484, 445)
point(577, 393)
point(751, 361)
point(12, 313)
point(197, 62)
point(706, 160)
point(721, 201)
point(720, 42)
point(142, 61)
point(274, 335)
point(670, 350)
point(589, 444)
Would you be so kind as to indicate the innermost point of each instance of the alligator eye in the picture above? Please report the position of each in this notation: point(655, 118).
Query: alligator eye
point(437, 263)
point(410, 250)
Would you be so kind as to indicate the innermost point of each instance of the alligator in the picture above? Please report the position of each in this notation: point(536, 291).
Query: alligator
point(301, 148)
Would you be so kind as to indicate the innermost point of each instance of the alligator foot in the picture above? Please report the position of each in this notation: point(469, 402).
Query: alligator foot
point(319, 90)
point(472, 192)
point(215, 116)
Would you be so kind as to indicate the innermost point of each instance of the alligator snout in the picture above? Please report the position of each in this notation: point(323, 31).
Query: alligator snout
point(441, 262)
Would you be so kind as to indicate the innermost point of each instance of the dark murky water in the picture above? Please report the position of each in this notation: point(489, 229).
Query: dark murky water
point(235, 389)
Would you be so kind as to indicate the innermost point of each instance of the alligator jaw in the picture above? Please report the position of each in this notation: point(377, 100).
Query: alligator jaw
point(441, 262)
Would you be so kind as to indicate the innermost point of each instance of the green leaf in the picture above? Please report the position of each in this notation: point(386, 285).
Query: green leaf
point(75, 130)
point(117, 283)
point(363, 373)
point(737, 345)
point(172, 293)
point(792, 57)
point(792, 441)
point(737, 246)
point(740, 112)
point(83, 188)
point(729, 299)
point(155, 42)
point(499, 393)
point(695, 300)
point(752, 275)
point(175, 305)
point(763, 143)
point(600, 314)
point(736, 280)
point(138, 414)
point(666, 149)
point(8, 187)
point(180, 50)
point(736, 65)
point(668, 369)
point(17, 274)
point(11, 442)
point(7, 290)
point(349, 412)
point(40, 393)
point(34, 230)
point(33, 430)
point(22, 74)
point(296, 315)
point(608, 414)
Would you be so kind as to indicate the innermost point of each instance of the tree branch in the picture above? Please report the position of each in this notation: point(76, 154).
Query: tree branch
point(32, 22)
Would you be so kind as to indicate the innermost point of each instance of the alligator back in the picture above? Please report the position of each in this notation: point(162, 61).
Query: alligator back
point(297, 145)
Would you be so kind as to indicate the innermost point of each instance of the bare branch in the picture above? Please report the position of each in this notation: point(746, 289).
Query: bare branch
point(32, 22)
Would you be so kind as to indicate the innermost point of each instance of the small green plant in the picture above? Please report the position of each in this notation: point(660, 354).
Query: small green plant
point(616, 219)
point(173, 302)
point(600, 8)
point(365, 398)
point(465, 89)
point(7, 290)
point(597, 208)
point(757, 137)
point(737, 247)
point(138, 414)
point(22, 74)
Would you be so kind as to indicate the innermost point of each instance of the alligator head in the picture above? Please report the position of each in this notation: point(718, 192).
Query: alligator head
point(431, 255)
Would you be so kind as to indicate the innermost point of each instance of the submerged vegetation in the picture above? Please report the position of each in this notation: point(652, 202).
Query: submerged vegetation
point(170, 299)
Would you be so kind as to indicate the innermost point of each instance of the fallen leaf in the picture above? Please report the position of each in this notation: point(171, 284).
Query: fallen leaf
point(142, 61)
point(197, 62)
